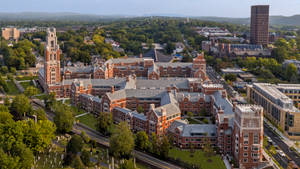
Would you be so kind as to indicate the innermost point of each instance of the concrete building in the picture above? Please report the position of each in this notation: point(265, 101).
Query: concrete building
point(259, 28)
point(212, 31)
point(278, 107)
point(11, 33)
point(248, 135)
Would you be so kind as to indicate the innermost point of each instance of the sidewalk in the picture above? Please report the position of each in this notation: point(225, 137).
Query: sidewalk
point(227, 164)
point(270, 159)
point(288, 142)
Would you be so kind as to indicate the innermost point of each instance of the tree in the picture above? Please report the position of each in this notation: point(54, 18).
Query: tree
point(154, 144)
point(49, 100)
point(164, 147)
point(128, 164)
point(63, 118)
point(5, 117)
point(38, 135)
point(4, 69)
point(140, 109)
point(170, 47)
point(75, 144)
point(13, 70)
point(7, 102)
point(8, 161)
point(104, 123)
point(190, 114)
point(85, 158)
point(121, 141)
point(31, 91)
point(77, 163)
point(230, 77)
point(41, 114)
point(290, 71)
point(20, 106)
point(142, 141)
point(26, 157)
point(280, 53)
point(85, 137)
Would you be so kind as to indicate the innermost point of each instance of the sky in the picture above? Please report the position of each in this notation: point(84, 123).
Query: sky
point(221, 8)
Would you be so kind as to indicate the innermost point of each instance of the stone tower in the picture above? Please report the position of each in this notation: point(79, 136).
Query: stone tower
point(52, 59)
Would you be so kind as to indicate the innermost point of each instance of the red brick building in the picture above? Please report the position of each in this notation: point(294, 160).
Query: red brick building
point(248, 135)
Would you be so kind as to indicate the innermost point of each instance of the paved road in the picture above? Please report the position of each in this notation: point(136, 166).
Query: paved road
point(284, 147)
point(104, 141)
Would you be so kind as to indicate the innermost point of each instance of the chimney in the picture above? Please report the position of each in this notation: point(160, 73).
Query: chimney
point(163, 112)
point(234, 106)
point(152, 107)
point(225, 120)
point(112, 89)
point(224, 94)
point(169, 89)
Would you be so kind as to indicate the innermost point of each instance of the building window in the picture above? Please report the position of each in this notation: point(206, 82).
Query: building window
point(245, 160)
point(255, 148)
point(245, 154)
point(245, 142)
point(246, 148)
point(255, 138)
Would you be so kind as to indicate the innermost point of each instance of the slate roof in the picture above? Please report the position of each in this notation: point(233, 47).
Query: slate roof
point(181, 83)
point(225, 105)
point(79, 69)
point(174, 65)
point(192, 96)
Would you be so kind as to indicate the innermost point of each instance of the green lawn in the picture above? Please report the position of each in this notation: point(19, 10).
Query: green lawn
point(141, 166)
point(41, 97)
point(27, 84)
point(76, 110)
point(12, 88)
point(192, 121)
point(20, 78)
point(200, 158)
point(88, 120)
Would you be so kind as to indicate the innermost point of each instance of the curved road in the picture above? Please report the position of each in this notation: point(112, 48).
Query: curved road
point(104, 141)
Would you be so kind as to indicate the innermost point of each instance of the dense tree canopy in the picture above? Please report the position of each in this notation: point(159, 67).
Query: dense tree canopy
point(64, 118)
point(121, 141)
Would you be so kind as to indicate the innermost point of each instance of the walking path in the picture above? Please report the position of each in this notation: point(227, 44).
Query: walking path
point(270, 160)
point(226, 162)
point(82, 114)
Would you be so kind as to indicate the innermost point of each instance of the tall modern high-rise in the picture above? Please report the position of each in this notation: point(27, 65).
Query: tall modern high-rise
point(259, 31)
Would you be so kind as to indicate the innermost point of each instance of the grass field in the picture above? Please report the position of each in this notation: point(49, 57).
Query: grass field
point(192, 121)
point(20, 78)
point(200, 158)
point(12, 88)
point(27, 84)
point(88, 120)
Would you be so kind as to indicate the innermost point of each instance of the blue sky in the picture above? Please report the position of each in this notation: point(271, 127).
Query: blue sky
point(223, 8)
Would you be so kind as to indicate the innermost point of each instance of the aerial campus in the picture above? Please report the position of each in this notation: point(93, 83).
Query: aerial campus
point(150, 92)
